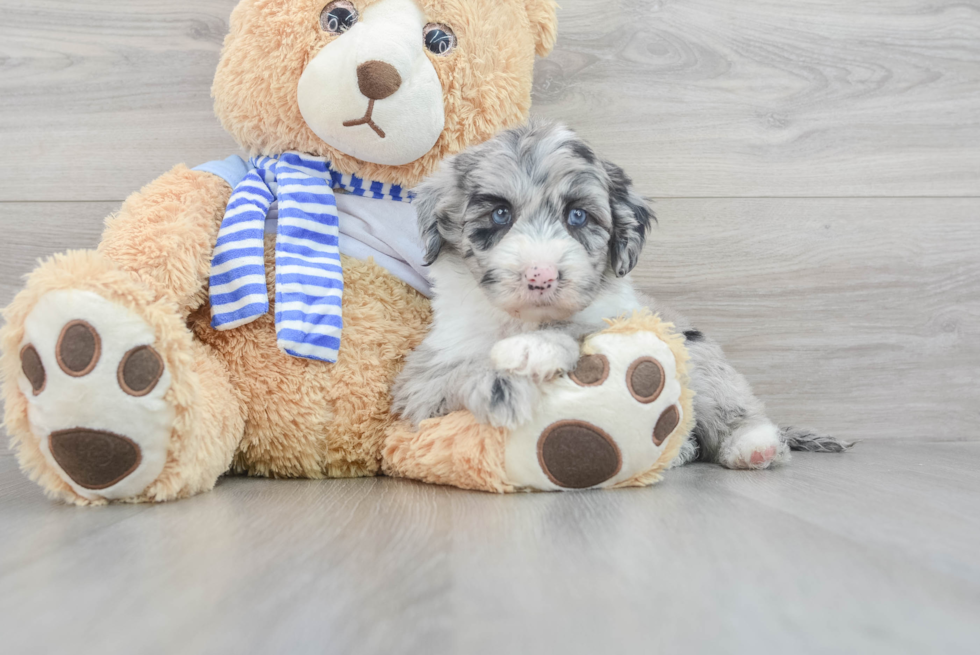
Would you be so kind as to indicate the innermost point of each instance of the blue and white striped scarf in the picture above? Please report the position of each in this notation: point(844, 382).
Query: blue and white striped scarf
point(309, 279)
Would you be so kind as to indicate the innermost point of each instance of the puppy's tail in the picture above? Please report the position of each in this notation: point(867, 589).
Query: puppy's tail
point(806, 439)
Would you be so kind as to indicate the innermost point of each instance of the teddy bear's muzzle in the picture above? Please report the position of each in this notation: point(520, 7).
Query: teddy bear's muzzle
point(377, 79)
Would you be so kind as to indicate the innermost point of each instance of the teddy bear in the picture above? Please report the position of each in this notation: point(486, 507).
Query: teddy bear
point(250, 316)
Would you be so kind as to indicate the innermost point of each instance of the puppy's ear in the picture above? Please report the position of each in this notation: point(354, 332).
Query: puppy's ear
point(430, 200)
point(631, 217)
point(428, 226)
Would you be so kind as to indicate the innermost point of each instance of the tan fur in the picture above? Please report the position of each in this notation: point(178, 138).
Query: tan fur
point(209, 419)
point(165, 233)
point(307, 419)
point(240, 403)
point(644, 321)
point(453, 450)
point(456, 450)
point(486, 81)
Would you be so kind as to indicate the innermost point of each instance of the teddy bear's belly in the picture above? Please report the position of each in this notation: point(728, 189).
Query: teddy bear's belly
point(312, 419)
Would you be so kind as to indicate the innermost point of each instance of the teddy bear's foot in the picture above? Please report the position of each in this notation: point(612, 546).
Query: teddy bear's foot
point(95, 387)
point(609, 422)
point(112, 399)
point(618, 419)
point(754, 446)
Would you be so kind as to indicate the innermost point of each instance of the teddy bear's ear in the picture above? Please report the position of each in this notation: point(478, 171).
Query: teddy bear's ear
point(544, 22)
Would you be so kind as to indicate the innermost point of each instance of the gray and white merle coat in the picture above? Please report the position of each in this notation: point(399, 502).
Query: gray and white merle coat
point(530, 238)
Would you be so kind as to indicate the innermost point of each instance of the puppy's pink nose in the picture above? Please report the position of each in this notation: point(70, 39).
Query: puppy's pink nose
point(541, 277)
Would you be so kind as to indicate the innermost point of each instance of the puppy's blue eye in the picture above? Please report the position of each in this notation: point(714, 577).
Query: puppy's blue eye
point(501, 216)
point(577, 217)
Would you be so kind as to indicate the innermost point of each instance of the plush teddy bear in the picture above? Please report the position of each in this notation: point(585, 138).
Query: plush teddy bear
point(251, 316)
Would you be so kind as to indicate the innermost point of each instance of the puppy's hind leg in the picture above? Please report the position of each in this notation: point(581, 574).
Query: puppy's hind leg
point(732, 428)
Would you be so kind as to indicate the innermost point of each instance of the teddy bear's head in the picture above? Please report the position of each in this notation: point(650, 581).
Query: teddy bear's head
point(384, 88)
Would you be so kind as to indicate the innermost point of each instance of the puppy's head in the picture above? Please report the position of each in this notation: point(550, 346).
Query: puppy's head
point(538, 219)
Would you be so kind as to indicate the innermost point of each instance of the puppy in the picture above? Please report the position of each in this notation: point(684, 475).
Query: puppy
point(530, 238)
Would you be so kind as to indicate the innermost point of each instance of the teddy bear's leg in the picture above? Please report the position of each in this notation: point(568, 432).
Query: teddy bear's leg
point(455, 450)
point(618, 419)
point(108, 395)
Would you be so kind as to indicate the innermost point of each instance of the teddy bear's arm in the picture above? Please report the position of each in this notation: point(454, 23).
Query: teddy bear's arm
point(165, 233)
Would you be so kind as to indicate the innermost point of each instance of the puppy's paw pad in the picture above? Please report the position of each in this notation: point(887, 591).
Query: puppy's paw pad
point(96, 389)
point(755, 447)
point(763, 457)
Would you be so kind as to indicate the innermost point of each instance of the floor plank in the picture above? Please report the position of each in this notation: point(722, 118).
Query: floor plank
point(696, 97)
point(857, 316)
point(775, 97)
point(860, 317)
point(102, 97)
point(37, 230)
point(832, 553)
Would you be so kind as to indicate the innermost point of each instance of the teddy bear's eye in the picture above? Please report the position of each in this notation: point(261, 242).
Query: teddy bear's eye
point(338, 17)
point(439, 39)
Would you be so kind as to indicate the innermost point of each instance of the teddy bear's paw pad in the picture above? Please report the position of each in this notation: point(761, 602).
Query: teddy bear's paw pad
point(78, 349)
point(578, 455)
point(96, 389)
point(33, 368)
point(591, 371)
point(95, 459)
point(645, 379)
point(666, 424)
point(604, 423)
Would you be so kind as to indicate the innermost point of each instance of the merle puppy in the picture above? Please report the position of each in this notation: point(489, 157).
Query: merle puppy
point(531, 238)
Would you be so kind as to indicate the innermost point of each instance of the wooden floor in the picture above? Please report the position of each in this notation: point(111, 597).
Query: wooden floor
point(815, 168)
point(870, 552)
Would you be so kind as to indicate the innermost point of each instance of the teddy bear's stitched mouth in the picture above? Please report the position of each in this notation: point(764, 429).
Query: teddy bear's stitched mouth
point(367, 120)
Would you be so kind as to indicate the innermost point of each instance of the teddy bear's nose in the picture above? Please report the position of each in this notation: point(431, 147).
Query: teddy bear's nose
point(377, 80)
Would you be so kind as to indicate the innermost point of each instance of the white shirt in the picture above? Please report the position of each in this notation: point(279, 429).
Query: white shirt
point(383, 229)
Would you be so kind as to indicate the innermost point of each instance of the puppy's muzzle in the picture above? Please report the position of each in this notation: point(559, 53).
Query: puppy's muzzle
point(541, 279)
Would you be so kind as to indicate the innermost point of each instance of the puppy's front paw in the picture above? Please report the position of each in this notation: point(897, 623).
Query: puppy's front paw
point(535, 355)
point(510, 403)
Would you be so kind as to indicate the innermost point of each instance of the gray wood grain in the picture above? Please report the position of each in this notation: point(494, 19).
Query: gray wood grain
point(867, 552)
point(700, 97)
point(807, 157)
point(37, 230)
point(102, 97)
point(775, 97)
point(856, 316)
point(862, 319)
